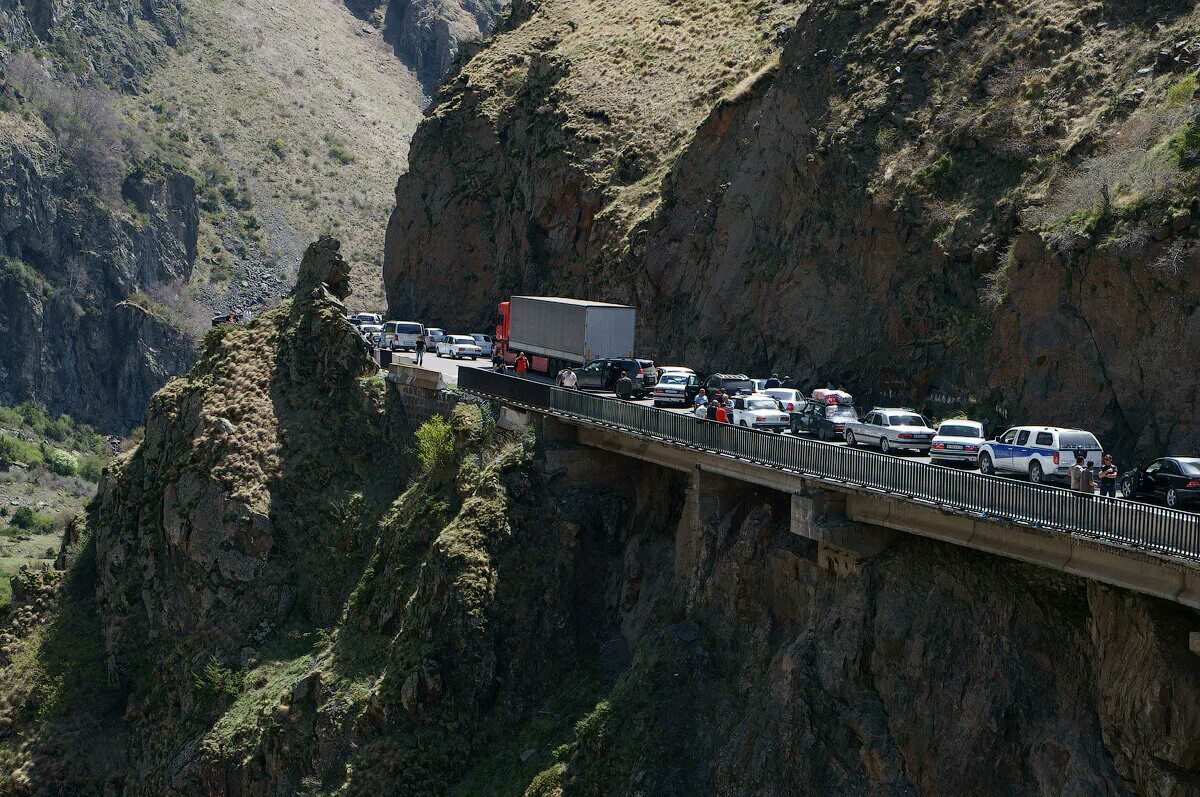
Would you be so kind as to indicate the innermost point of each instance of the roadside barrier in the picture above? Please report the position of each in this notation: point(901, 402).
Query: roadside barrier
point(1130, 523)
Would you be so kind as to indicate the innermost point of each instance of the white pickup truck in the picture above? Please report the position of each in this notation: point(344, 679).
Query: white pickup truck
point(890, 429)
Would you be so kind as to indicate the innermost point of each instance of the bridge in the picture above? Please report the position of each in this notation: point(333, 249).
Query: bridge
point(1141, 547)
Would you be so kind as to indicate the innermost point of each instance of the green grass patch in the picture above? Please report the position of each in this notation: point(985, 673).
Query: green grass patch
point(936, 176)
point(1182, 91)
point(340, 153)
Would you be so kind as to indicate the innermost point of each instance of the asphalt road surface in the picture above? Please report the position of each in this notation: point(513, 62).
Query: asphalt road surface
point(448, 368)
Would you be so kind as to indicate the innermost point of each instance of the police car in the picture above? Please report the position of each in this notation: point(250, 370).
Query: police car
point(1043, 453)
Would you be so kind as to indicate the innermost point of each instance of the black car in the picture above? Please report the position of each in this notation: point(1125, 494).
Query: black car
point(1175, 480)
point(730, 383)
point(603, 374)
point(826, 421)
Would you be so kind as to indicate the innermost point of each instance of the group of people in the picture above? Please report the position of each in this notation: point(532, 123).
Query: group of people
point(1085, 475)
point(718, 408)
point(520, 365)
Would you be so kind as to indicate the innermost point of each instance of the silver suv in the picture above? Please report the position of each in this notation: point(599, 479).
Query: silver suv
point(891, 428)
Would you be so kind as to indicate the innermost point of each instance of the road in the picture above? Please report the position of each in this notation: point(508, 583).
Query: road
point(449, 370)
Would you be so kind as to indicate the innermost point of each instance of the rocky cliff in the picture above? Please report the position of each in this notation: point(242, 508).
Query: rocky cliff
point(427, 34)
point(295, 585)
point(972, 207)
point(80, 333)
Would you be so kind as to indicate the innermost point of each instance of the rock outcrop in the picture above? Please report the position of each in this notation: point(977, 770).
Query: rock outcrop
point(80, 333)
point(428, 34)
point(978, 208)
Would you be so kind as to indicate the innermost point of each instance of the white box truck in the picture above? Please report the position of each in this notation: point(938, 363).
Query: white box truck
point(556, 333)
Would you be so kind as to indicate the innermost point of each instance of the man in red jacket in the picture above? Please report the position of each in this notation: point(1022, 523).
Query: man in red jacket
point(522, 365)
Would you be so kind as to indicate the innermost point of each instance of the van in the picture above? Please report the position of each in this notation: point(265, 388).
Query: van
point(1043, 453)
point(401, 335)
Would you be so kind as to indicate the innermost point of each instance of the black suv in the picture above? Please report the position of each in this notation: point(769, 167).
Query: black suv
point(826, 421)
point(730, 383)
point(603, 374)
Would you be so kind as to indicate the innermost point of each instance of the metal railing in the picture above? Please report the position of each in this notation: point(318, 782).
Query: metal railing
point(991, 497)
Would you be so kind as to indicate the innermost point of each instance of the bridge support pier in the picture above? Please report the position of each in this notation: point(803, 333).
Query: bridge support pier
point(842, 544)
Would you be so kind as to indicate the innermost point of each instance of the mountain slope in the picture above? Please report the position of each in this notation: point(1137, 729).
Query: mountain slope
point(893, 195)
point(268, 600)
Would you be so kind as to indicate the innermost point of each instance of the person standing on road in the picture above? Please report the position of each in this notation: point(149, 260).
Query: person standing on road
point(569, 379)
point(788, 382)
point(420, 350)
point(1087, 483)
point(701, 399)
point(710, 412)
point(1108, 476)
point(522, 365)
point(773, 382)
point(722, 414)
point(624, 386)
point(1076, 472)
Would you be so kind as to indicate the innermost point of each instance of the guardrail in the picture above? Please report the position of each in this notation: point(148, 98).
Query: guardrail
point(1129, 523)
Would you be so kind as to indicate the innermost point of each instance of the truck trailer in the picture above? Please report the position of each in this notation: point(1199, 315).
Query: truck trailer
point(556, 333)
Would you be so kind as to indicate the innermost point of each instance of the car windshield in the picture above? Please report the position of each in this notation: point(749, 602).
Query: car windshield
point(734, 385)
point(959, 430)
point(674, 379)
point(461, 339)
point(1077, 440)
point(786, 395)
point(840, 413)
point(761, 404)
point(408, 329)
point(906, 419)
point(1190, 467)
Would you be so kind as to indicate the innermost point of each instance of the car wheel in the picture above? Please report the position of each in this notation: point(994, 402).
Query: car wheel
point(850, 440)
point(743, 424)
point(985, 464)
point(885, 446)
point(824, 435)
point(1035, 473)
point(1172, 499)
point(658, 403)
point(1127, 489)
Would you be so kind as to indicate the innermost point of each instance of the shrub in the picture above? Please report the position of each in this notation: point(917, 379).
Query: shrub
point(339, 153)
point(936, 175)
point(8, 451)
point(91, 467)
point(276, 146)
point(435, 445)
point(1181, 92)
point(61, 462)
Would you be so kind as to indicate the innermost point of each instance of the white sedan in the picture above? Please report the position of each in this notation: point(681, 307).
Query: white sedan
point(457, 346)
point(957, 441)
point(759, 412)
point(788, 399)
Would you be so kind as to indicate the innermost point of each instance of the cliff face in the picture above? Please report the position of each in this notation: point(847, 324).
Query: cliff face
point(271, 599)
point(69, 261)
point(427, 34)
point(979, 207)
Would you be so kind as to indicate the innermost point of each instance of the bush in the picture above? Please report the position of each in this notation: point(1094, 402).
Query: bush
point(339, 153)
point(435, 445)
point(14, 450)
point(91, 467)
point(8, 451)
point(61, 462)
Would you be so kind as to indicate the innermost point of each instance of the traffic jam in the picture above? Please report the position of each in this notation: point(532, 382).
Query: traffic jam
point(589, 346)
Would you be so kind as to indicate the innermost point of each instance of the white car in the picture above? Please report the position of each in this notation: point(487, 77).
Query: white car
point(890, 428)
point(457, 346)
point(400, 335)
point(788, 399)
point(369, 318)
point(675, 387)
point(372, 333)
point(484, 342)
point(957, 441)
point(759, 411)
point(433, 336)
point(676, 369)
point(1043, 453)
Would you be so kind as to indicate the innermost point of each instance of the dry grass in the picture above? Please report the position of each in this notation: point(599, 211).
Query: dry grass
point(271, 89)
point(633, 74)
